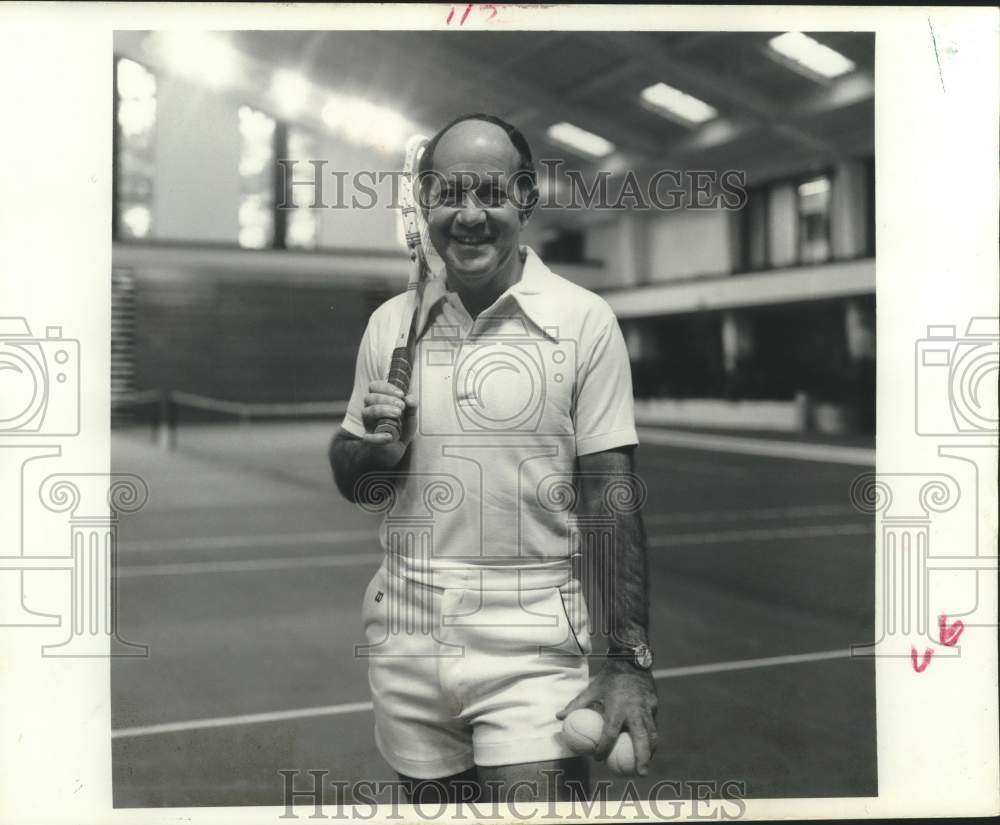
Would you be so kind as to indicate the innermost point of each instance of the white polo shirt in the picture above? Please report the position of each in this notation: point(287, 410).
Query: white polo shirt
point(506, 403)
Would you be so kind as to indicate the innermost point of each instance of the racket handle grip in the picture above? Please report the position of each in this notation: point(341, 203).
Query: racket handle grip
point(399, 376)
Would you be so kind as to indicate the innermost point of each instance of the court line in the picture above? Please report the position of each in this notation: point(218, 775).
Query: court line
point(245, 719)
point(358, 707)
point(750, 664)
point(217, 542)
point(247, 565)
point(753, 514)
point(830, 453)
point(709, 468)
point(129, 546)
point(764, 534)
point(350, 559)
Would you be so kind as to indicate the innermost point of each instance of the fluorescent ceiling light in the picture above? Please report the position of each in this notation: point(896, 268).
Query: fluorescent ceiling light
point(200, 56)
point(582, 141)
point(363, 122)
point(675, 102)
point(290, 90)
point(818, 186)
point(813, 55)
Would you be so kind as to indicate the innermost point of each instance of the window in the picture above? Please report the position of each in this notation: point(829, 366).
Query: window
point(135, 125)
point(256, 178)
point(870, 204)
point(814, 220)
point(754, 230)
point(563, 245)
point(123, 305)
point(302, 227)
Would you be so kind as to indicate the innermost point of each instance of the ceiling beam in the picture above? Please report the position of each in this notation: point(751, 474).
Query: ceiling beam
point(757, 110)
point(696, 40)
point(693, 79)
point(532, 46)
point(849, 90)
point(602, 80)
point(555, 106)
point(844, 92)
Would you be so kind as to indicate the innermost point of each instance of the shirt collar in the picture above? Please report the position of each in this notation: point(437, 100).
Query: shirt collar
point(529, 292)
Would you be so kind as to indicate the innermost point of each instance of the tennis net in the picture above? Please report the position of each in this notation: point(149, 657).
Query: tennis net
point(175, 417)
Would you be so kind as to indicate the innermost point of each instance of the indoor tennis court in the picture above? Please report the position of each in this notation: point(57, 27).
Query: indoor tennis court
point(236, 324)
point(247, 586)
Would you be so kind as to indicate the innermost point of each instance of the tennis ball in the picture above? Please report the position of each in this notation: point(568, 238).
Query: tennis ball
point(621, 760)
point(582, 730)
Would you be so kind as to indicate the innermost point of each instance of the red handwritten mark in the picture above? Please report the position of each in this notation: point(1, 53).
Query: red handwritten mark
point(921, 666)
point(948, 634)
point(482, 7)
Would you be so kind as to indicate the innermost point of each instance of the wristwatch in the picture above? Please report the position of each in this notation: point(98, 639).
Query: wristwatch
point(640, 655)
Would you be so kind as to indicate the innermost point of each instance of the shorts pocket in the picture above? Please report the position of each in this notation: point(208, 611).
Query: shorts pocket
point(373, 607)
point(574, 607)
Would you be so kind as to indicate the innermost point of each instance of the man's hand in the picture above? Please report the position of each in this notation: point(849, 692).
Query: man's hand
point(386, 401)
point(626, 697)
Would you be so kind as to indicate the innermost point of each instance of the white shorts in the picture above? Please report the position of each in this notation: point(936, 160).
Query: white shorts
point(472, 668)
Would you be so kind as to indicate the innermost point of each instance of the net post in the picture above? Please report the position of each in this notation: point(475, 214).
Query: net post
point(156, 419)
point(167, 421)
point(803, 412)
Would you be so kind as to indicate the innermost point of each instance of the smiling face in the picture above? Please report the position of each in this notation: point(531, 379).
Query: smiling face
point(474, 226)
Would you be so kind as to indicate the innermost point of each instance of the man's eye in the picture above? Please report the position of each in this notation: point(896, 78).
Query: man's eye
point(492, 196)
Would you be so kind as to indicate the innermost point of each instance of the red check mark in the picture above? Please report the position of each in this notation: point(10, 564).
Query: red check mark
point(921, 666)
point(948, 633)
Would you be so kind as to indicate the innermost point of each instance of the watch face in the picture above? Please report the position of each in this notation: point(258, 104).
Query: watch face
point(644, 657)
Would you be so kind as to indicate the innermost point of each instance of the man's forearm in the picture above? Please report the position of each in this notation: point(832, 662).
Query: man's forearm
point(629, 582)
point(612, 492)
point(624, 688)
point(351, 459)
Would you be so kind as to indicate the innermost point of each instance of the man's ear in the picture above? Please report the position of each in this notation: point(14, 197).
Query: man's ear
point(529, 208)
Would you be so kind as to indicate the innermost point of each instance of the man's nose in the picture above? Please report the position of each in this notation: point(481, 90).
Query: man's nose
point(471, 212)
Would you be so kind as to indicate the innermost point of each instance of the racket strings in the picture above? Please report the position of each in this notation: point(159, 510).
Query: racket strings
point(431, 258)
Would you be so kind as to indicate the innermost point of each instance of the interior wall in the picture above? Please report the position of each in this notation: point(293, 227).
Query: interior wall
point(782, 225)
point(196, 188)
point(251, 341)
point(689, 243)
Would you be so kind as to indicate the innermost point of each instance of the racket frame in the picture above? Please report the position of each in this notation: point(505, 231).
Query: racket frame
point(401, 362)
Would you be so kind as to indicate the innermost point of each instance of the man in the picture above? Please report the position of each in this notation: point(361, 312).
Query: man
point(521, 388)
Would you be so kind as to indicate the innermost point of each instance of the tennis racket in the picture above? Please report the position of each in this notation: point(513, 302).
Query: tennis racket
point(415, 228)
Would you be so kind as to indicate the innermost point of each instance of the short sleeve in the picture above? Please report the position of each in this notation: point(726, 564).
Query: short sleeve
point(365, 372)
point(604, 415)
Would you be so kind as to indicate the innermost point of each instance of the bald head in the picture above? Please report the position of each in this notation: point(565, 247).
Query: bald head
point(473, 143)
point(482, 144)
point(477, 186)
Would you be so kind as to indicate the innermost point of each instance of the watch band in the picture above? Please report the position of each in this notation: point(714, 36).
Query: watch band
point(639, 655)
